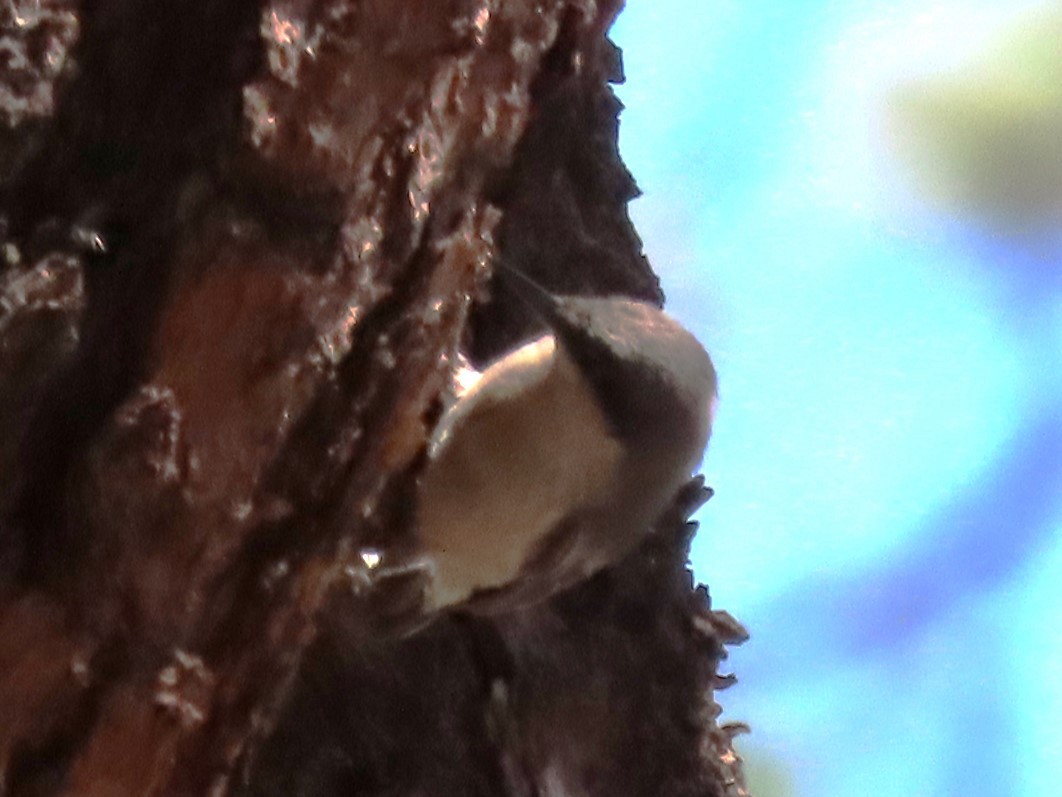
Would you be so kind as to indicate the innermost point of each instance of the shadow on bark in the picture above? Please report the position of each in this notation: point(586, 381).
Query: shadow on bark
point(243, 244)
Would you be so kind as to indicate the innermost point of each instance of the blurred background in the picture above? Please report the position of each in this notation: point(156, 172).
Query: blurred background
point(857, 206)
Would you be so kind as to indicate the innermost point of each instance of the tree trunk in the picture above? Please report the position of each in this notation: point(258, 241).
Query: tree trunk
point(243, 244)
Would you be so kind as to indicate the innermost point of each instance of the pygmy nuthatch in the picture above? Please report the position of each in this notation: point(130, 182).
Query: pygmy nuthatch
point(558, 460)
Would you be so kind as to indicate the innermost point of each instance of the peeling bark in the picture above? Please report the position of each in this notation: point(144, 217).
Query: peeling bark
point(243, 244)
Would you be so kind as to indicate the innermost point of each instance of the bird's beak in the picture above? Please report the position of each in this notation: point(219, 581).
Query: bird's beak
point(541, 301)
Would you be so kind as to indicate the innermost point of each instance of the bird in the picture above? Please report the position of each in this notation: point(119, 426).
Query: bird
point(556, 462)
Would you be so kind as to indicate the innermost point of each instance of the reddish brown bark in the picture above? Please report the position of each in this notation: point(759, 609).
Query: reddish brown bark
point(244, 243)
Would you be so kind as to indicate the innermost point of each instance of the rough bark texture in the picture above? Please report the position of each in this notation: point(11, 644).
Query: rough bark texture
point(243, 243)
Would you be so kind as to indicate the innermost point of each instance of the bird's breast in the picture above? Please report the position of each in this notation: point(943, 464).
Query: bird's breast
point(510, 469)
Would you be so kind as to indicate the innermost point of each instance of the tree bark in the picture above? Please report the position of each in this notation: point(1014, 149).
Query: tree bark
point(243, 246)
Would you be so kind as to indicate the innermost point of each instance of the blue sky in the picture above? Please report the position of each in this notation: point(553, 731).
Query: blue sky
point(888, 449)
